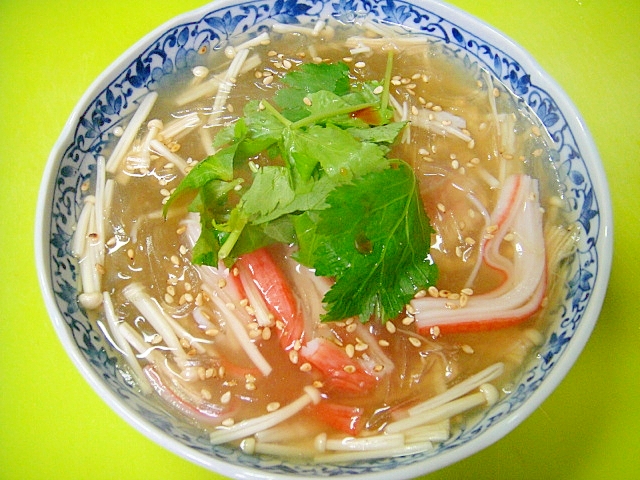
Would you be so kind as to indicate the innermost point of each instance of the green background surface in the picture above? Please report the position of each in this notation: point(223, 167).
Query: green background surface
point(52, 425)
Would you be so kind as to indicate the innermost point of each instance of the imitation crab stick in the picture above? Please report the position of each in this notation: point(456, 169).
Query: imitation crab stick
point(344, 418)
point(340, 372)
point(521, 295)
point(271, 281)
point(191, 405)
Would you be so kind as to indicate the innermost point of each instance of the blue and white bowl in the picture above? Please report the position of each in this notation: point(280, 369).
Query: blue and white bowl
point(175, 46)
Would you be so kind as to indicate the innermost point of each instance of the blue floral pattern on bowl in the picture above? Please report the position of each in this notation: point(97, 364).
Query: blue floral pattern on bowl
point(179, 47)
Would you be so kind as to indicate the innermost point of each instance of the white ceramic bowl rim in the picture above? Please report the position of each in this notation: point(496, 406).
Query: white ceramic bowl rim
point(98, 112)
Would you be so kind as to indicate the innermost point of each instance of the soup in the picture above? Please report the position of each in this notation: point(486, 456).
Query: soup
point(332, 242)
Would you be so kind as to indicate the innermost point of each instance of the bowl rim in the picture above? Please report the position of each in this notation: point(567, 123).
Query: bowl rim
point(489, 436)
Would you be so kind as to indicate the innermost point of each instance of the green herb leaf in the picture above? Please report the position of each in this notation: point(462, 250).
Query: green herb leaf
point(374, 239)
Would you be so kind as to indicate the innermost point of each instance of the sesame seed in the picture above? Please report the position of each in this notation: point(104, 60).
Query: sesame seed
point(350, 349)
point(212, 332)
point(419, 294)
point(391, 328)
point(435, 331)
point(305, 367)
point(156, 339)
point(228, 422)
point(293, 356)
point(307, 101)
point(268, 80)
point(378, 90)
point(181, 229)
point(349, 368)
point(360, 65)
point(168, 298)
point(441, 207)
point(467, 349)
point(433, 291)
point(250, 386)
point(175, 260)
point(467, 291)
point(383, 343)
point(206, 394)
point(226, 397)
point(273, 406)
point(378, 368)
point(286, 64)
point(266, 333)
point(351, 327)
point(130, 254)
point(415, 342)
point(361, 346)
point(407, 320)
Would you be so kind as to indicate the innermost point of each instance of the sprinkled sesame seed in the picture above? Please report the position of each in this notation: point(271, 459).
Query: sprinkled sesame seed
point(168, 298)
point(378, 368)
point(305, 367)
point(226, 397)
point(435, 331)
point(467, 349)
point(360, 65)
point(415, 342)
point(206, 394)
point(378, 90)
point(383, 343)
point(441, 207)
point(268, 80)
point(181, 229)
point(228, 422)
point(273, 406)
point(407, 320)
point(350, 349)
point(266, 333)
point(433, 291)
point(349, 368)
point(391, 328)
point(293, 356)
point(211, 332)
point(419, 294)
point(175, 260)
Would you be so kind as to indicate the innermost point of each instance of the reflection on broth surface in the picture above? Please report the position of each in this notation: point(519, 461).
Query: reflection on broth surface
point(329, 241)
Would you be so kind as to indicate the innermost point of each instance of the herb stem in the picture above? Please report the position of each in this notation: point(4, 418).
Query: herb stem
point(273, 111)
point(384, 99)
point(318, 117)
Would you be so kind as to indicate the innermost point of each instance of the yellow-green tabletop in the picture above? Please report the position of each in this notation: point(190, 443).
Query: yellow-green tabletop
point(52, 424)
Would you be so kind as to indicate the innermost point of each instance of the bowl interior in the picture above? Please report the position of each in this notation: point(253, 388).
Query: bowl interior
point(176, 46)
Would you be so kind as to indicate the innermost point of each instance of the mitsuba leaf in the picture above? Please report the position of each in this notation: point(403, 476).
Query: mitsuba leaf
point(374, 238)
